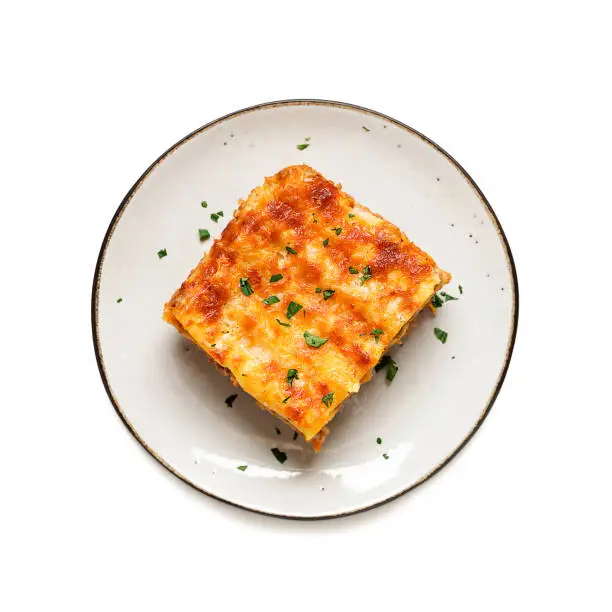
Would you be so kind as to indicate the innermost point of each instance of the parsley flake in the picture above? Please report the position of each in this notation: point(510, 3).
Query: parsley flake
point(283, 324)
point(314, 341)
point(378, 440)
point(338, 230)
point(245, 287)
point(271, 299)
point(276, 277)
point(290, 250)
point(376, 333)
point(229, 401)
point(328, 399)
point(242, 468)
point(389, 363)
point(307, 139)
point(204, 204)
point(328, 293)
point(367, 275)
point(204, 234)
point(365, 129)
point(215, 217)
point(392, 369)
point(351, 215)
point(353, 270)
point(385, 455)
point(326, 242)
point(460, 290)
point(281, 457)
point(293, 308)
point(441, 335)
point(162, 253)
point(436, 301)
point(447, 297)
point(318, 290)
point(119, 300)
point(292, 375)
point(301, 147)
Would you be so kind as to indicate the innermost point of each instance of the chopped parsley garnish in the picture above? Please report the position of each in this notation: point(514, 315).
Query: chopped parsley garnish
point(307, 139)
point(328, 293)
point(281, 457)
point(318, 290)
point(271, 299)
point(291, 376)
point(293, 308)
point(285, 400)
point(376, 333)
point(385, 455)
point(278, 431)
point(220, 213)
point(204, 204)
point(215, 217)
point(392, 369)
point(353, 270)
point(242, 467)
point(119, 300)
point(447, 297)
point(276, 277)
point(213, 345)
point(290, 250)
point(204, 234)
point(315, 341)
point(367, 275)
point(230, 400)
point(389, 363)
point(314, 218)
point(162, 253)
point(351, 215)
point(245, 286)
point(436, 301)
point(364, 128)
point(301, 147)
point(460, 289)
point(283, 324)
point(328, 399)
point(378, 440)
point(441, 335)
point(326, 242)
point(338, 230)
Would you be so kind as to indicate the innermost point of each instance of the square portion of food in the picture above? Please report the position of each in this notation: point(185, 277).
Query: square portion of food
point(301, 296)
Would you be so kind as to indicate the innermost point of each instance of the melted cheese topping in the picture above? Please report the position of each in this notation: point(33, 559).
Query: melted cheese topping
point(301, 209)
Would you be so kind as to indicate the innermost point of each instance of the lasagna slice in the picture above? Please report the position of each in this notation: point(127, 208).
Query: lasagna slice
point(301, 296)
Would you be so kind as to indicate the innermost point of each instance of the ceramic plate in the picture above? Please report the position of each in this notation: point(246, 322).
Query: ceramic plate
point(173, 400)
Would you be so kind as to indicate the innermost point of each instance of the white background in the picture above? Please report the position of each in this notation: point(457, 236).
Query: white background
point(518, 92)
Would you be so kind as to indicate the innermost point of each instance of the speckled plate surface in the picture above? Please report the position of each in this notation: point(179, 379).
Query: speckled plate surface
point(391, 436)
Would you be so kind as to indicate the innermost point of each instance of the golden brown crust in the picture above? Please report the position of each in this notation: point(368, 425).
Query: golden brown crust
point(300, 209)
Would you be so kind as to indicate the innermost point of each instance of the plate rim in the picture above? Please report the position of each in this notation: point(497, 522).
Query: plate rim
point(276, 104)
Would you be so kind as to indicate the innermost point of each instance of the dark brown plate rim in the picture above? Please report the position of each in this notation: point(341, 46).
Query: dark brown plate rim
point(303, 102)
